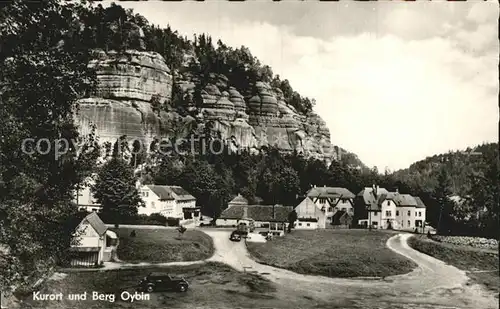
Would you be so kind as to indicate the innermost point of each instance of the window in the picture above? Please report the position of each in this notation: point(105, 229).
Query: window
point(397, 212)
point(300, 224)
point(409, 223)
point(415, 213)
point(308, 224)
point(409, 213)
point(420, 214)
point(330, 209)
point(375, 213)
point(343, 209)
point(153, 205)
point(388, 203)
point(388, 213)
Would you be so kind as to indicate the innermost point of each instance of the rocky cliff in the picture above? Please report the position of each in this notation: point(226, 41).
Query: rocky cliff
point(130, 82)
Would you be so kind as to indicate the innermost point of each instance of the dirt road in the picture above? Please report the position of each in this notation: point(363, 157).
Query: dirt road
point(432, 285)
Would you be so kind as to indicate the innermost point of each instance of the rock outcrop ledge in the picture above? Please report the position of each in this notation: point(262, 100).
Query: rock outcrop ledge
point(129, 82)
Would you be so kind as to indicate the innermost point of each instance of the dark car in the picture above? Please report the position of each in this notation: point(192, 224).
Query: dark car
point(235, 236)
point(160, 282)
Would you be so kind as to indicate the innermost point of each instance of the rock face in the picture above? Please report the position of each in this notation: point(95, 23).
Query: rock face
point(130, 82)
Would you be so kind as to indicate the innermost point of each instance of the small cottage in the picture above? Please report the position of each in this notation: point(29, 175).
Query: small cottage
point(92, 242)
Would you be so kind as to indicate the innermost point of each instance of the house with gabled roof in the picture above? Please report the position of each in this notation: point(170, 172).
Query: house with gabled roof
point(91, 242)
point(383, 209)
point(171, 202)
point(329, 200)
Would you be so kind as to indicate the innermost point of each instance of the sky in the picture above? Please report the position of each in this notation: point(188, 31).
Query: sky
point(394, 81)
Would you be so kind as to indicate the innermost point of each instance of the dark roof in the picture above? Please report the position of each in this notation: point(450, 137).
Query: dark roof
point(96, 223)
point(257, 212)
point(239, 200)
point(330, 192)
point(171, 193)
point(420, 204)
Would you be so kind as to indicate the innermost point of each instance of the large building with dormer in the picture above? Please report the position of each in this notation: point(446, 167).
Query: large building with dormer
point(383, 209)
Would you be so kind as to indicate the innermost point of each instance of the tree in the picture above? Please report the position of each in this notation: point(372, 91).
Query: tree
point(44, 73)
point(292, 217)
point(442, 195)
point(115, 189)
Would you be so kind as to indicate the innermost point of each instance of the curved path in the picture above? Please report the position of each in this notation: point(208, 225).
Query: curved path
point(432, 285)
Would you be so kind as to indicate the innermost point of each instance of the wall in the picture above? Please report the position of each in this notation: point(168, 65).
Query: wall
point(312, 210)
point(88, 237)
point(388, 213)
point(301, 225)
point(226, 222)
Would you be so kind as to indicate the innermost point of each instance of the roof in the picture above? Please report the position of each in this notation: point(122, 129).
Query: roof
point(401, 200)
point(171, 193)
point(370, 199)
point(257, 212)
point(239, 200)
point(96, 223)
point(420, 204)
point(330, 192)
point(406, 200)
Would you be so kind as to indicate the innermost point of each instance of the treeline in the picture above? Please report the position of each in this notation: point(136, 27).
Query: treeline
point(114, 28)
point(472, 175)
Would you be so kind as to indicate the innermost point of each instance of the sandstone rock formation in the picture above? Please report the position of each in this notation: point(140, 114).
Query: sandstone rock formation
point(128, 82)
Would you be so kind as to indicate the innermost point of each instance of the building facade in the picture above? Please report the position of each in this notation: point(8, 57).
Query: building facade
point(170, 202)
point(389, 210)
point(327, 201)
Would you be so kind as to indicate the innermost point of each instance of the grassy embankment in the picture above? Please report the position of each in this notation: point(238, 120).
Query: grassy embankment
point(163, 245)
point(481, 265)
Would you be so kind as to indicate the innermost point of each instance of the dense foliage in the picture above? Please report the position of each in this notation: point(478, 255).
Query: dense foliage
point(43, 71)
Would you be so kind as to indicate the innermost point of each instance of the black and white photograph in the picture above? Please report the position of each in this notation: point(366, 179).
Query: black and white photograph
point(249, 154)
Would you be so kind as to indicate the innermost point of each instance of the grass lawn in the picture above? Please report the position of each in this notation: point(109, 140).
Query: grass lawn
point(333, 253)
point(212, 285)
point(465, 258)
point(163, 245)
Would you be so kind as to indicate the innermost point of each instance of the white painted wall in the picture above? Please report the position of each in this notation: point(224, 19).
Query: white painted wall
point(301, 225)
point(408, 215)
point(168, 208)
point(312, 210)
point(226, 222)
point(88, 237)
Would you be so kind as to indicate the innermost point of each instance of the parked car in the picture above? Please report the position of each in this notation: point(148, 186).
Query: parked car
point(160, 282)
point(235, 236)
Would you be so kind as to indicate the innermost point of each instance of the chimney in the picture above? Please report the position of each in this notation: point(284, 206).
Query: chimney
point(324, 186)
point(397, 190)
point(245, 212)
point(314, 186)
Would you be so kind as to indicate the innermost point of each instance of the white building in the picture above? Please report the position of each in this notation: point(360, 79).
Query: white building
point(169, 201)
point(386, 210)
point(90, 246)
point(84, 198)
